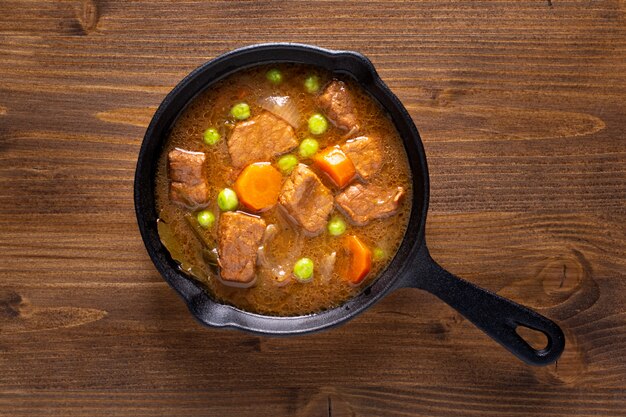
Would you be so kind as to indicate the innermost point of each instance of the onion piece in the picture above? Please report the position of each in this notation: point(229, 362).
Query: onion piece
point(283, 107)
point(281, 275)
point(269, 233)
point(327, 265)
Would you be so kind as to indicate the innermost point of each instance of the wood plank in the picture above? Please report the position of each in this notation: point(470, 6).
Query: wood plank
point(414, 400)
point(521, 108)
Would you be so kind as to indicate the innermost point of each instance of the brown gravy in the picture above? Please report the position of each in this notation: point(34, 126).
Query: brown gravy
point(211, 108)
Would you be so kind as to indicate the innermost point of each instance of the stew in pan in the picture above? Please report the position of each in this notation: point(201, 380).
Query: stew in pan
point(285, 190)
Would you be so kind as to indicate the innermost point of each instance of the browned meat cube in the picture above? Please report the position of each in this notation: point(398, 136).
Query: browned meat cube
point(239, 238)
point(188, 183)
point(186, 166)
point(363, 203)
point(260, 139)
point(306, 199)
point(366, 154)
point(336, 102)
point(189, 195)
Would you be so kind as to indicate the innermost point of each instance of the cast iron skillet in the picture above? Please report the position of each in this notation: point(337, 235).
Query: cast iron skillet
point(412, 266)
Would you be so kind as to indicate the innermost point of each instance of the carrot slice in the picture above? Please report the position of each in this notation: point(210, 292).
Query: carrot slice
point(336, 164)
point(258, 186)
point(360, 262)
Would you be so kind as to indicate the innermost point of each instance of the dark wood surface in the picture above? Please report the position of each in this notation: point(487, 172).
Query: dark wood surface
point(521, 106)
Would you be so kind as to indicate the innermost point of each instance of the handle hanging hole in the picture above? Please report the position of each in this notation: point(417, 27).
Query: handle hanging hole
point(536, 339)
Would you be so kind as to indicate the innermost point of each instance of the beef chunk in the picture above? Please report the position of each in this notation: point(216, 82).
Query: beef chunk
point(186, 166)
point(336, 102)
point(363, 203)
point(239, 238)
point(366, 154)
point(260, 139)
point(306, 199)
point(189, 195)
point(188, 183)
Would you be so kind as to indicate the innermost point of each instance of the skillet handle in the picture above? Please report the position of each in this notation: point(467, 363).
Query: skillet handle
point(495, 315)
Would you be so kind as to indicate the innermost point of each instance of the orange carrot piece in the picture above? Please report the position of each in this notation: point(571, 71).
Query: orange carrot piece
point(258, 186)
point(336, 164)
point(360, 262)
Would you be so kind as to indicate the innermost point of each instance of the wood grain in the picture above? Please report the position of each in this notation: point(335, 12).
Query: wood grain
point(521, 109)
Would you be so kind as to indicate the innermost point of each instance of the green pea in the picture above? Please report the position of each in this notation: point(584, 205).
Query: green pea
point(312, 84)
point(205, 218)
point(336, 226)
point(211, 136)
point(240, 111)
point(379, 254)
point(317, 124)
point(227, 200)
point(303, 269)
point(287, 163)
point(274, 76)
point(308, 147)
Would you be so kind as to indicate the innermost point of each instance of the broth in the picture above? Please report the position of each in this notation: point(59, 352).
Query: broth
point(184, 238)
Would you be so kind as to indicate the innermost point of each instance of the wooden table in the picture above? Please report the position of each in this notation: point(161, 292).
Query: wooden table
point(521, 106)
